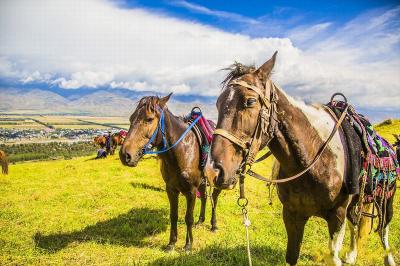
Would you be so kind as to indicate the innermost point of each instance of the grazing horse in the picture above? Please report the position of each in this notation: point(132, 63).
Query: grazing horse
point(100, 140)
point(254, 113)
point(3, 162)
point(152, 124)
point(116, 140)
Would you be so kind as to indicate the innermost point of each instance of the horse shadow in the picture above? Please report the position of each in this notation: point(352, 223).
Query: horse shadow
point(217, 255)
point(128, 229)
point(147, 186)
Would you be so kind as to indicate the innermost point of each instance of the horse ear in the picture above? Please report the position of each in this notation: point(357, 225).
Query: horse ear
point(163, 101)
point(264, 72)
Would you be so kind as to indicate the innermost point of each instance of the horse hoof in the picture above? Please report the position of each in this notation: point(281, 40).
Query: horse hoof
point(389, 260)
point(169, 248)
point(333, 261)
point(188, 248)
point(199, 222)
point(214, 228)
point(350, 258)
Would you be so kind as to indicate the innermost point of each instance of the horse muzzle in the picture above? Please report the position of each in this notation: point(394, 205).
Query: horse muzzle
point(221, 180)
point(128, 159)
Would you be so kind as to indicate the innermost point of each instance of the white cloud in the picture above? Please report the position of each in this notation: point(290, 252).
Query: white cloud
point(215, 13)
point(88, 79)
point(97, 43)
point(307, 32)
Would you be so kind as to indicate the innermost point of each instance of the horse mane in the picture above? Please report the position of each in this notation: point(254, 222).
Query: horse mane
point(236, 70)
point(149, 102)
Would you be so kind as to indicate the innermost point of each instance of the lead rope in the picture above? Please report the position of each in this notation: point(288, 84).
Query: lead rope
point(209, 194)
point(246, 221)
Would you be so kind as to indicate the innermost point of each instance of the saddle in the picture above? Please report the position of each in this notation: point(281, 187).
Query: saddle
point(203, 130)
point(372, 167)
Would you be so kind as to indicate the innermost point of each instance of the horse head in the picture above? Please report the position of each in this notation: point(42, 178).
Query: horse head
point(143, 123)
point(245, 100)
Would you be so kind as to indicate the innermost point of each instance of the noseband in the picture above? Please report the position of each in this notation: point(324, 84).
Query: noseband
point(266, 123)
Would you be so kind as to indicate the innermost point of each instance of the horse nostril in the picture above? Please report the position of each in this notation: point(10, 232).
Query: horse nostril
point(219, 174)
point(128, 157)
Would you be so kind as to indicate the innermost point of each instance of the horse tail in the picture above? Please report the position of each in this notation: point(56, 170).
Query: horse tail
point(365, 226)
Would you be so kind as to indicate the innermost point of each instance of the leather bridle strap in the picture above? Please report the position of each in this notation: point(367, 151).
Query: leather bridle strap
point(231, 137)
point(254, 88)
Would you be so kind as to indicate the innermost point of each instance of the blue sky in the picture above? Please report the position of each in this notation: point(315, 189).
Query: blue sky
point(181, 45)
point(239, 16)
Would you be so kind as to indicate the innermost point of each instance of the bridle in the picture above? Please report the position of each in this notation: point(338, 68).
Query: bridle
point(266, 124)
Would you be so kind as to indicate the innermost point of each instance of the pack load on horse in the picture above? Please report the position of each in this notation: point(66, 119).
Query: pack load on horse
point(109, 143)
point(316, 159)
point(203, 129)
point(179, 147)
point(3, 162)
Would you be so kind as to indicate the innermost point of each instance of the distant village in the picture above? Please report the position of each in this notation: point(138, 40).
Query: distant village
point(12, 135)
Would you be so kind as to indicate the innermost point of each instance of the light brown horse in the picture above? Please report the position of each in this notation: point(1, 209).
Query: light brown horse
point(100, 140)
point(180, 166)
point(294, 132)
point(3, 162)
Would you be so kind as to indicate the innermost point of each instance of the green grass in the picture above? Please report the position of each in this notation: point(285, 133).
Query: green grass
point(98, 212)
point(84, 212)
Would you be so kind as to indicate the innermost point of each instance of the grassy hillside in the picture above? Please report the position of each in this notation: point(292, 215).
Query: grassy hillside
point(90, 212)
point(387, 128)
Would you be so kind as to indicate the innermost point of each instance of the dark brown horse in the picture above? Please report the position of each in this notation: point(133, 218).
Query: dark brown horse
point(294, 132)
point(3, 162)
point(180, 166)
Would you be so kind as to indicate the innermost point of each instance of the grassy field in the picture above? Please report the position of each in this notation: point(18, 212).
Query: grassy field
point(60, 121)
point(90, 212)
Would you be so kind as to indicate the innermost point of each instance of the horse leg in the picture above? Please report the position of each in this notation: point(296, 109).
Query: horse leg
point(190, 201)
point(351, 256)
point(337, 228)
point(215, 195)
point(173, 216)
point(388, 260)
point(294, 224)
point(203, 198)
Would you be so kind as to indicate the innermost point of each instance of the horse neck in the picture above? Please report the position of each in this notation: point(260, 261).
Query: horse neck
point(300, 132)
point(174, 128)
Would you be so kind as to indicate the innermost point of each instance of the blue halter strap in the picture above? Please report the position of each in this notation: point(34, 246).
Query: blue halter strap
point(161, 127)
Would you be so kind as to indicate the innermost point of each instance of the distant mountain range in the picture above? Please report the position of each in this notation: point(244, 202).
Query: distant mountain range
point(97, 102)
point(113, 102)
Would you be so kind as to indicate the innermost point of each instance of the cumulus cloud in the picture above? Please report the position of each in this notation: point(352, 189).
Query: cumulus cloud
point(90, 43)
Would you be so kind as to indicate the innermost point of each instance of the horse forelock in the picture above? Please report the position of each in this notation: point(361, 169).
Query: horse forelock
point(149, 103)
point(236, 70)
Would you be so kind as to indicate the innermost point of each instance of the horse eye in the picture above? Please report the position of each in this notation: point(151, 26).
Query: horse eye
point(149, 119)
point(250, 102)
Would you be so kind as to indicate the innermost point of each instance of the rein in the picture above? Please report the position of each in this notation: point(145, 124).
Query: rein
point(161, 127)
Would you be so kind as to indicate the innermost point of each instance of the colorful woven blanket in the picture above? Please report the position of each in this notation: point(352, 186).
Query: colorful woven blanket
point(380, 168)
